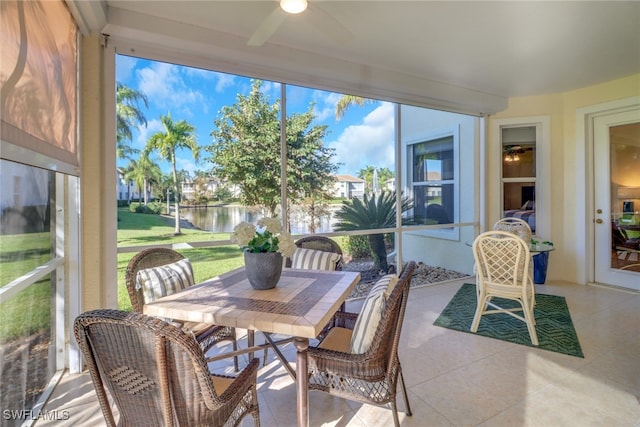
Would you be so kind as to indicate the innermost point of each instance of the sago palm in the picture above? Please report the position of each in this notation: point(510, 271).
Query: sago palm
point(369, 213)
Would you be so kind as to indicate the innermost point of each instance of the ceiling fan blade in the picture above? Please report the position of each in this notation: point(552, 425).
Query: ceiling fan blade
point(268, 27)
point(328, 24)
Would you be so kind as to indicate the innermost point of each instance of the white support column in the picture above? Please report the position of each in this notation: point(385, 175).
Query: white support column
point(399, 192)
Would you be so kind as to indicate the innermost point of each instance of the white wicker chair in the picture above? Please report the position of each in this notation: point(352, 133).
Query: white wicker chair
point(502, 266)
point(514, 225)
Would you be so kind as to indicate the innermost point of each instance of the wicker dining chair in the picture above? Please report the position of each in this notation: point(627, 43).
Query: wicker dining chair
point(502, 271)
point(157, 374)
point(320, 243)
point(371, 377)
point(316, 243)
point(206, 334)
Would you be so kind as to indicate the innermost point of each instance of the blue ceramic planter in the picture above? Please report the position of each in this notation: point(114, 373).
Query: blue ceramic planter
point(540, 264)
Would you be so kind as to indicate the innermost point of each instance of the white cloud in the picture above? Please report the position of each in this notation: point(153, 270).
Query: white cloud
point(325, 104)
point(124, 67)
point(224, 81)
point(164, 84)
point(369, 143)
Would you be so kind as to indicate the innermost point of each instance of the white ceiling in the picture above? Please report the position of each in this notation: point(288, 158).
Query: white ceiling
point(448, 52)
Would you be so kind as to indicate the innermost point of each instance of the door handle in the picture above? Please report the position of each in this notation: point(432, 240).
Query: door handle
point(599, 221)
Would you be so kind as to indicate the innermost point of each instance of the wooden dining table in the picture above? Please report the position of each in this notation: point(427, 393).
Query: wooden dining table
point(301, 305)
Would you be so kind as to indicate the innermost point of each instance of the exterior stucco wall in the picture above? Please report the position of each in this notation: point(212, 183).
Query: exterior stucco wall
point(449, 252)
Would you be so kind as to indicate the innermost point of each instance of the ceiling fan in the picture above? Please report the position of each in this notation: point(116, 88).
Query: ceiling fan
point(319, 18)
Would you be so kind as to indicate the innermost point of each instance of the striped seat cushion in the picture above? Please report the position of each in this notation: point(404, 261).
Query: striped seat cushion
point(164, 280)
point(310, 259)
point(371, 313)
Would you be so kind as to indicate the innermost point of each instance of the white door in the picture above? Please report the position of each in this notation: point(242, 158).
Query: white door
point(617, 199)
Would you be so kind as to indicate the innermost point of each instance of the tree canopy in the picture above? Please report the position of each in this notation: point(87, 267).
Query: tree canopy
point(384, 174)
point(246, 151)
point(142, 172)
point(128, 115)
point(347, 101)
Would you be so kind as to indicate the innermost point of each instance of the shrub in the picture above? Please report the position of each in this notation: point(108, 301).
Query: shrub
point(201, 199)
point(358, 246)
point(153, 208)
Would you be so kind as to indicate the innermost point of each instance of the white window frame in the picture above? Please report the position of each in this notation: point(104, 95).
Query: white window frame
point(64, 267)
point(453, 232)
point(519, 179)
point(543, 169)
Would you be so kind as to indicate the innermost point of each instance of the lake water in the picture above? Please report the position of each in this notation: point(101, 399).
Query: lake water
point(222, 219)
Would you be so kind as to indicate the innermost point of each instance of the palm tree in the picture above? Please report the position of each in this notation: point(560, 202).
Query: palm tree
point(128, 115)
point(175, 136)
point(366, 173)
point(369, 213)
point(347, 101)
point(142, 173)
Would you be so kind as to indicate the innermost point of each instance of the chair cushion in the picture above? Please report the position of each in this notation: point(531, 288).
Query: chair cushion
point(371, 313)
point(164, 280)
point(220, 383)
point(310, 259)
point(338, 339)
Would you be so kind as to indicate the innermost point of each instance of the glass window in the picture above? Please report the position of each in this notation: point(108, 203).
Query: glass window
point(27, 241)
point(25, 217)
point(433, 180)
point(519, 173)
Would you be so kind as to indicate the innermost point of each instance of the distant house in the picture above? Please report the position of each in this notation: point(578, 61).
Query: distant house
point(207, 186)
point(348, 186)
point(127, 189)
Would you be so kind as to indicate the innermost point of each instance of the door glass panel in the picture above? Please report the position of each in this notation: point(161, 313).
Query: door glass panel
point(519, 173)
point(625, 196)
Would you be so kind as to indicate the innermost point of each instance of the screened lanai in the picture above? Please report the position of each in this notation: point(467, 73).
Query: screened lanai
point(448, 146)
point(434, 159)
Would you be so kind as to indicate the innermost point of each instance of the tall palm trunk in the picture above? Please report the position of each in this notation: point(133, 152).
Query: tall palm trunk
point(177, 195)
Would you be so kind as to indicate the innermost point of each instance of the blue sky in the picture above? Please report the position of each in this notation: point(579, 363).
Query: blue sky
point(364, 136)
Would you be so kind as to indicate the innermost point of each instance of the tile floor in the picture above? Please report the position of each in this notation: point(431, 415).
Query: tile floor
point(459, 379)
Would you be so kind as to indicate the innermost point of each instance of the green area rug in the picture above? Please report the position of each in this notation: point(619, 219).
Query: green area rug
point(553, 322)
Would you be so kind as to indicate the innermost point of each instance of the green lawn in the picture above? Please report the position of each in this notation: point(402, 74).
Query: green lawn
point(140, 229)
point(29, 311)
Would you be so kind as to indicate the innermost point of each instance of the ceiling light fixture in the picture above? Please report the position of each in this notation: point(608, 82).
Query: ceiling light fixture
point(293, 6)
